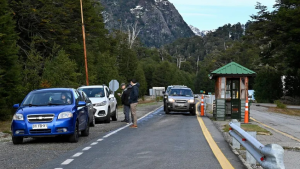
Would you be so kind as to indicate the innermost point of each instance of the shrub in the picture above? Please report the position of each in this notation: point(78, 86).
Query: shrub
point(280, 104)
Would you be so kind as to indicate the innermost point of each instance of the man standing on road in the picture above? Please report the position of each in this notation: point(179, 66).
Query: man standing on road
point(125, 101)
point(134, 95)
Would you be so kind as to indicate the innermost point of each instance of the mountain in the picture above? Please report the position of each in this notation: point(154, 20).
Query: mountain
point(159, 20)
point(197, 31)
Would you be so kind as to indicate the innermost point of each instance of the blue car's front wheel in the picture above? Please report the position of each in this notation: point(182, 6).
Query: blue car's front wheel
point(17, 140)
point(74, 137)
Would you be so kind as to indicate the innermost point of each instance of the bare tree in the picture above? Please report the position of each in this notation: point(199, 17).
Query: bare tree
point(133, 32)
point(180, 59)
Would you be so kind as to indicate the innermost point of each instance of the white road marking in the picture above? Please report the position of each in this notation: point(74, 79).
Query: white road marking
point(86, 148)
point(114, 132)
point(58, 168)
point(68, 161)
point(99, 139)
point(94, 143)
point(77, 154)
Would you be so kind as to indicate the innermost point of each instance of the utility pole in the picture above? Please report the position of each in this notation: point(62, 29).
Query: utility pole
point(84, 47)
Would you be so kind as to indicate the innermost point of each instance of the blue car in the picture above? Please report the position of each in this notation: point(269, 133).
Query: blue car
point(51, 112)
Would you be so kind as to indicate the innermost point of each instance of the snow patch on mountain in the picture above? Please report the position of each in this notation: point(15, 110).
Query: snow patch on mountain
point(200, 33)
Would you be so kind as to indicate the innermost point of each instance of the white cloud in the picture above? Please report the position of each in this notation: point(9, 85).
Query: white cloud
point(223, 2)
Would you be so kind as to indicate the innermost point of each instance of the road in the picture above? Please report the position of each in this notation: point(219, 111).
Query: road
point(36, 152)
point(161, 141)
point(285, 132)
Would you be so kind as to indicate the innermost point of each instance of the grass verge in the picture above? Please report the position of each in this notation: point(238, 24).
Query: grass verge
point(292, 112)
point(5, 126)
point(250, 127)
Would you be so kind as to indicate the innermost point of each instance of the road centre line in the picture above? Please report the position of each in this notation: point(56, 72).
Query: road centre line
point(114, 132)
point(77, 154)
point(225, 164)
point(86, 148)
point(68, 161)
point(285, 134)
point(94, 143)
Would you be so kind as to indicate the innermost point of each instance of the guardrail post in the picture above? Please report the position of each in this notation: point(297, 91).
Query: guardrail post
point(249, 158)
point(235, 143)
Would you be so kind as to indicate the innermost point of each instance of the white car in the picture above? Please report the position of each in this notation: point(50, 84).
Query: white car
point(103, 101)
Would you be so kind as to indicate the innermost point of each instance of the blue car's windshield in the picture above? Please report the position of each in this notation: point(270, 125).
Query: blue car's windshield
point(181, 92)
point(93, 92)
point(49, 97)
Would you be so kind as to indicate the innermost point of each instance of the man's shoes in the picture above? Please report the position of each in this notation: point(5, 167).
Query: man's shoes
point(124, 120)
point(133, 126)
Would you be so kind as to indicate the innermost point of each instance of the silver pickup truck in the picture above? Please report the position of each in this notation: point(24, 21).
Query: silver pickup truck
point(181, 99)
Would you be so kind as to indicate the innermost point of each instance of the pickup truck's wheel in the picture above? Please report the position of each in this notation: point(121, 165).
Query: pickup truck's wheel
point(86, 131)
point(167, 111)
point(17, 140)
point(107, 118)
point(193, 112)
point(74, 137)
point(115, 116)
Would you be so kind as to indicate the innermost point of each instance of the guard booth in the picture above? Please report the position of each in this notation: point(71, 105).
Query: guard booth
point(231, 90)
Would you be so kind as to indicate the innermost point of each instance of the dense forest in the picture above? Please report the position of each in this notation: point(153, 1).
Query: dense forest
point(41, 46)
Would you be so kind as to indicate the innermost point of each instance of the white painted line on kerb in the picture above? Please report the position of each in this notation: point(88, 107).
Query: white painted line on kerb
point(99, 139)
point(114, 132)
point(77, 154)
point(68, 161)
point(94, 143)
point(86, 148)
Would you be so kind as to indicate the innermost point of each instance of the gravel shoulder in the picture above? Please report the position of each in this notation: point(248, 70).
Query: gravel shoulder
point(34, 152)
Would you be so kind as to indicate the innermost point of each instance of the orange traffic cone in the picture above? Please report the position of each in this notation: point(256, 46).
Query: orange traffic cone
point(202, 106)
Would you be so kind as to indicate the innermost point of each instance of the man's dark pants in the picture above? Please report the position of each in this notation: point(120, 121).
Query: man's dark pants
point(126, 112)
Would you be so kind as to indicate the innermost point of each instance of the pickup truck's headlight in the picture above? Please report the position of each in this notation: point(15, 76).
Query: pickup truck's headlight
point(171, 100)
point(65, 115)
point(18, 117)
point(191, 101)
point(166, 97)
point(101, 104)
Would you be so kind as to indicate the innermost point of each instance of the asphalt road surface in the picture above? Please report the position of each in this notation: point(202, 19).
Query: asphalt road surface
point(160, 141)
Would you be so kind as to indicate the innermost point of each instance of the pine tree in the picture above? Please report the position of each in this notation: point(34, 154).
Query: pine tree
point(139, 75)
point(9, 70)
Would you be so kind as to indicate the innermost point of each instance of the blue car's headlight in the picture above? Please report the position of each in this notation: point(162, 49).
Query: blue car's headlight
point(65, 115)
point(101, 104)
point(18, 117)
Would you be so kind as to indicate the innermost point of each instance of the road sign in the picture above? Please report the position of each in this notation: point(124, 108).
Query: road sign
point(114, 85)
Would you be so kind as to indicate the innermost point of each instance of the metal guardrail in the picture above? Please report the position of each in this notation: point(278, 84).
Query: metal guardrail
point(269, 156)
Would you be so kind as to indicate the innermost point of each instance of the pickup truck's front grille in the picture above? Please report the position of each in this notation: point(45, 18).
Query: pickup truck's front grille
point(40, 117)
point(40, 131)
point(180, 101)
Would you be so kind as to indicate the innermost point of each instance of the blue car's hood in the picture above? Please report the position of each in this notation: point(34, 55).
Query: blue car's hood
point(45, 109)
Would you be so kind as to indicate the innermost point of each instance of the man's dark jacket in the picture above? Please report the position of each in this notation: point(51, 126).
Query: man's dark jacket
point(134, 95)
point(125, 96)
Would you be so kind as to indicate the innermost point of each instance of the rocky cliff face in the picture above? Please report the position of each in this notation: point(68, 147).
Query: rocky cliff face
point(159, 20)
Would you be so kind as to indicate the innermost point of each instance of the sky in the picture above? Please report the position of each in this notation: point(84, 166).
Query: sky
point(211, 14)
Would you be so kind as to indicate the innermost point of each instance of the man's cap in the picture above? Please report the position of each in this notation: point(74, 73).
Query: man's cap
point(133, 81)
point(123, 84)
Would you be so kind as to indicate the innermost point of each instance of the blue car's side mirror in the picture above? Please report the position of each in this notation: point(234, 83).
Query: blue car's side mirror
point(81, 103)
point(16, 106)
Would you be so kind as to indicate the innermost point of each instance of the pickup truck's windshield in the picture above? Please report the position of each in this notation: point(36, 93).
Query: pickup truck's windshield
point(181, 92)
point(93, 92)
point(49, 97)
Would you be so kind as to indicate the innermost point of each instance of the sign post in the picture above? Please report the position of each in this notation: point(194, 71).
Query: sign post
point(114, 85)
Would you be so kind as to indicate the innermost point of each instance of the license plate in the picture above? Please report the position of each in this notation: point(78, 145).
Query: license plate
point(39, 126)
point(180, 105)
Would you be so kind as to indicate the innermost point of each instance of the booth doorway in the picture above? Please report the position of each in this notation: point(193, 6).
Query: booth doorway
point(233, 97)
